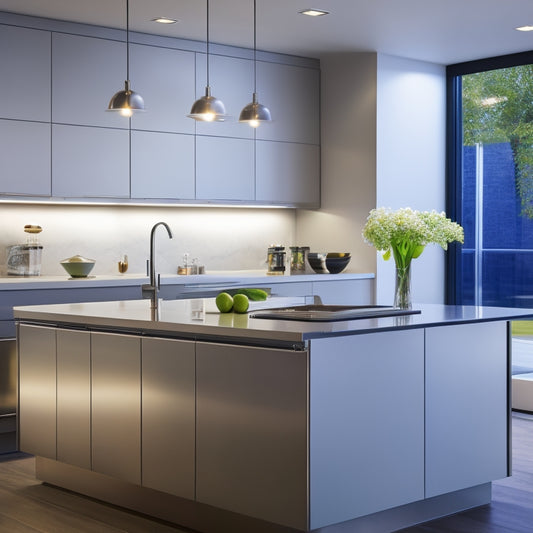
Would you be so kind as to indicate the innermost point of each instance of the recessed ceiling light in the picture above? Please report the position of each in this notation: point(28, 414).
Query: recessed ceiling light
point(525, 28)
point(313, 12)
point(164, 20)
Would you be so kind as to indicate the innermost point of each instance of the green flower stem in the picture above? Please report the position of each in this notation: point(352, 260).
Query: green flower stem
point(402, 294)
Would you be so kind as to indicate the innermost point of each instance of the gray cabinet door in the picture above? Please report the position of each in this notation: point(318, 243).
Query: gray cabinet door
point(25, 158)
point(165, 79)
point(224, 169)
point(37, 390)
point(162, 165)
point(366, 424)
point(292, 94)
point(288, 173)
point(466, 406)
point(231, 81)
point(86, 73)
point(74, 398)
point(116, 406)
point(90, 162)
point(25, 79)
point(252, 432)
point(345, 292)
point(168, 414)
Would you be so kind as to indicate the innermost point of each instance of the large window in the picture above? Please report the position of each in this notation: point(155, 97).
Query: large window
point(490, 136)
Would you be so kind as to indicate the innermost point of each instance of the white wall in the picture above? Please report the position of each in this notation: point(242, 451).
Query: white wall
point(222, 238)
point(348, 160)
point(411, 128)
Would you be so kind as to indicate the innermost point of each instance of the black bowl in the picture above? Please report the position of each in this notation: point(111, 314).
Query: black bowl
point(317, 261)
point(335, 265)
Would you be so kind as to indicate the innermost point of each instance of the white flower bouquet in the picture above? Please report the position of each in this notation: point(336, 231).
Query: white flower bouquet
point(404, 234)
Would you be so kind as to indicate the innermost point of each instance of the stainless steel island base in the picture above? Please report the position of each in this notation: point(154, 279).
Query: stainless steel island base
point(208, 519)
point(229, 423)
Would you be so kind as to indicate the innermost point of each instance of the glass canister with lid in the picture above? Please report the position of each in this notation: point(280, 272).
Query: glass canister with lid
point(276, 260)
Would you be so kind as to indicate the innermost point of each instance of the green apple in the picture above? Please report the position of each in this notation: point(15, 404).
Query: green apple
point(224, 302)
point(240, 303)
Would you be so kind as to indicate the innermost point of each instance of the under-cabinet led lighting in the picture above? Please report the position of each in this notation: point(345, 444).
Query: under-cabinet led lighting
point(313, 12)
point(165, 20)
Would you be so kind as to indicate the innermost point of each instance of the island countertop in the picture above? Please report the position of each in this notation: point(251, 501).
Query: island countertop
point(199, 319)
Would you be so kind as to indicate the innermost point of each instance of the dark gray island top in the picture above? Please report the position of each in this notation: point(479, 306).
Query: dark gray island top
point(199, 319)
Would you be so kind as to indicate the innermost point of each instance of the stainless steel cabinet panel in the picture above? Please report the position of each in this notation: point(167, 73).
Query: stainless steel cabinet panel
point(165, 79)
point(252, 431)
point(74, 397)
point(232, 81)
point(168, 414)
point(293, 96)
point(86, 72)
point(162, 165)
point(25, 158)
point(366, 424)
point(90, 162)
point(466, 406)
point(25, 78)
point(288, 173)
point(224, 169)
point(116, 406)
point(37, 390)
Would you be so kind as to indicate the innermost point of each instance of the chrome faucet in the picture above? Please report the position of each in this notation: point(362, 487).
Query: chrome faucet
point(151, 290)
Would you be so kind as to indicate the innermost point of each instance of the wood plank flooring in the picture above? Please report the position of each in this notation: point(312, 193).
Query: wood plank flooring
point(28, 506)
point(511, 510)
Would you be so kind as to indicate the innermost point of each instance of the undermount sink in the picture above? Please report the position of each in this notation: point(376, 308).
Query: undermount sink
point(330, 313)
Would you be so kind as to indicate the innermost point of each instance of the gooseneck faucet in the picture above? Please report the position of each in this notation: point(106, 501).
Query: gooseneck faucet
point(151, 291)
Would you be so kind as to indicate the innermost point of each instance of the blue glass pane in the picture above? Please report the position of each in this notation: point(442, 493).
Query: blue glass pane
point(506, 238)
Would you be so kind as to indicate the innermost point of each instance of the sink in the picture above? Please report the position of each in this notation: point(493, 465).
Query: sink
point(330, 313)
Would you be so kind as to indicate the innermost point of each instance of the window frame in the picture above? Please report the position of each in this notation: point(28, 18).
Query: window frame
point(454, 152)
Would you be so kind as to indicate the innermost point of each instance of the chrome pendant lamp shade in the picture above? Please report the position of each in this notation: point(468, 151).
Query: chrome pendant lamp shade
point(208, 108)
point(126, 101)
point(255, 113)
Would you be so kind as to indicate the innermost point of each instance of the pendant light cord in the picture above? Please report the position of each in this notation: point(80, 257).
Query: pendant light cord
point(207, 43)
point(127, 39)
point(255, 47)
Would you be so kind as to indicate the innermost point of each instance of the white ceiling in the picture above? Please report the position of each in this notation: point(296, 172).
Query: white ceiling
point(439, 31)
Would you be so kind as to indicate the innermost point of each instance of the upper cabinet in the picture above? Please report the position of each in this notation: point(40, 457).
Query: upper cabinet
point(165, 79)
point(86, 72)
point(82, 152)
point(24, 74)
point(288, 173)
point(292, 93)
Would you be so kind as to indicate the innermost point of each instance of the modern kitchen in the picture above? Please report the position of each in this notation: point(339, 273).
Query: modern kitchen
point(323, 404)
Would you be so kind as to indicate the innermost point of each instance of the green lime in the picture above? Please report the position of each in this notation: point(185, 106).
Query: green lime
point(224, 302)
point(240, 303)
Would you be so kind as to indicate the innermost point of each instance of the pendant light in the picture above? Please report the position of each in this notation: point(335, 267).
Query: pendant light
point(126, 101)
point(208, 108)
point(254, 113)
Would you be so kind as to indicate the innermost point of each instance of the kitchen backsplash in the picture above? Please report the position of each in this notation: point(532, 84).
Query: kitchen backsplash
point(221, 238)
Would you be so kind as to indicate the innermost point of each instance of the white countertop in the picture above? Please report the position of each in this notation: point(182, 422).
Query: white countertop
point(225, 277)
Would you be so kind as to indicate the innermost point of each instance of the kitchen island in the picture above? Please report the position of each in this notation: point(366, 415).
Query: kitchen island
point(223, 422)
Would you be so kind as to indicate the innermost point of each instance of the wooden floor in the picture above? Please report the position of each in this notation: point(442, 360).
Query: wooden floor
point(28, 506)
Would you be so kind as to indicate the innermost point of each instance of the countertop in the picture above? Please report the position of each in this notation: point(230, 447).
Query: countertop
point(199, 319)
point(223, 277)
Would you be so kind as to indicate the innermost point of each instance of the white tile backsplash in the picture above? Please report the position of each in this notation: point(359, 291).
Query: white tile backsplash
point(222, 238)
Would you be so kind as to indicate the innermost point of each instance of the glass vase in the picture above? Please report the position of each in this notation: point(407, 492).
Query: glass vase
point(402, 293)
